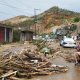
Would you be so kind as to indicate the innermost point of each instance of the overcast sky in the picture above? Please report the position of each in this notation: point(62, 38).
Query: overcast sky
point(11, 8)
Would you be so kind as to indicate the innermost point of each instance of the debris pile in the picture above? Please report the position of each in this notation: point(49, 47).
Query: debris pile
point(67, 55)
point(26, 65)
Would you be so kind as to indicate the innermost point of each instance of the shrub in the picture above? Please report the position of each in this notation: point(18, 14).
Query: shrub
point(77, 19)
point(73, 28)
point(16, 35)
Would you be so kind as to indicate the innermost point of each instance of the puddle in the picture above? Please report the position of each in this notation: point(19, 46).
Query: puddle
point(72, 74)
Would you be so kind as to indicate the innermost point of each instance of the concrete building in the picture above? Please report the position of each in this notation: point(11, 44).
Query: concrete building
point(6, 33)
point(26, 35)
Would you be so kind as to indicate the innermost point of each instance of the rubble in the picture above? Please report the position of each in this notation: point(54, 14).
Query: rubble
point(67, 55)
point(26, 64)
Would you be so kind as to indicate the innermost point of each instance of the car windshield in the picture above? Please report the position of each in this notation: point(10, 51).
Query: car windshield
point(69, 40)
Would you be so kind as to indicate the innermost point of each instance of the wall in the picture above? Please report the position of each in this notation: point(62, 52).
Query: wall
point(2, 34)
point(26, 36)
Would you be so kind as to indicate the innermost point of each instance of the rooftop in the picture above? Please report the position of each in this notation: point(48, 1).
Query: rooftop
point(4, 25)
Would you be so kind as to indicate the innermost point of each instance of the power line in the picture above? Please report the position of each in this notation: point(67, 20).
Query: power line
point(8, 5)
point(26, 6)
point(17, 9)
point(23, 4)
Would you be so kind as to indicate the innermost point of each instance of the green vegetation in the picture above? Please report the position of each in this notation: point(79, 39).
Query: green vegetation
point(52, 35)
point(57, 10)
point(66, 28)
point(16, 35)
point(73, 28)
point(76, 19)
point(43, 34)
point(40, 44)
point(26, 23)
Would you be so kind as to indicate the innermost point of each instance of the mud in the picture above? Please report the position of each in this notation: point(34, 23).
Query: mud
point(59, 59)
point(72, 74)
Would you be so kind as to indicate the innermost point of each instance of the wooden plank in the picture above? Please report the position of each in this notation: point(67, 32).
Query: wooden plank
point(8, 74)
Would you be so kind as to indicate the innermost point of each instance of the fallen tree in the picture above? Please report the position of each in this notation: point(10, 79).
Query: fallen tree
point(27, 65)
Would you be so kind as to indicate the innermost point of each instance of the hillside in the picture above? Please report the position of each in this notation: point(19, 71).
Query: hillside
point(16, 20)
point(54, 16)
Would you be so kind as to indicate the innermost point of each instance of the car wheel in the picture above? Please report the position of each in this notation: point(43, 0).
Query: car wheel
point(63, 46)
point(74, 47)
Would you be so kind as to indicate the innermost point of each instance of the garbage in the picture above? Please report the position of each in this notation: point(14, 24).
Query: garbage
point(35, 61)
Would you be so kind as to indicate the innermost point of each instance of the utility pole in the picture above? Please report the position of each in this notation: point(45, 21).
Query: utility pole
point(35, 19)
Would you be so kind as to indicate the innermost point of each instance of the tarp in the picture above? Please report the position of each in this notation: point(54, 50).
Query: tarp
point(46, 49)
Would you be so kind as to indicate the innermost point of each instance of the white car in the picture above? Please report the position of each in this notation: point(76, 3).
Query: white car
point(68, 42)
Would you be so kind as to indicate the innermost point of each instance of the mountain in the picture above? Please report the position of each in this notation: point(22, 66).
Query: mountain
point(54, 16)
point(16, 20)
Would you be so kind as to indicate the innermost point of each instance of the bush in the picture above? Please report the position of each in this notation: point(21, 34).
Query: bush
point(77, 19)
point(73, 28)
point(16, 35)
point(40, 44)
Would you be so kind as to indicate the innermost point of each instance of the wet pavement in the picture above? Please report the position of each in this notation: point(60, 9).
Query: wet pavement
point(72, 74)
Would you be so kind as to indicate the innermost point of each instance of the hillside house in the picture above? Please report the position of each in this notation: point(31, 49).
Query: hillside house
point(26, 35)
point(6, 33)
